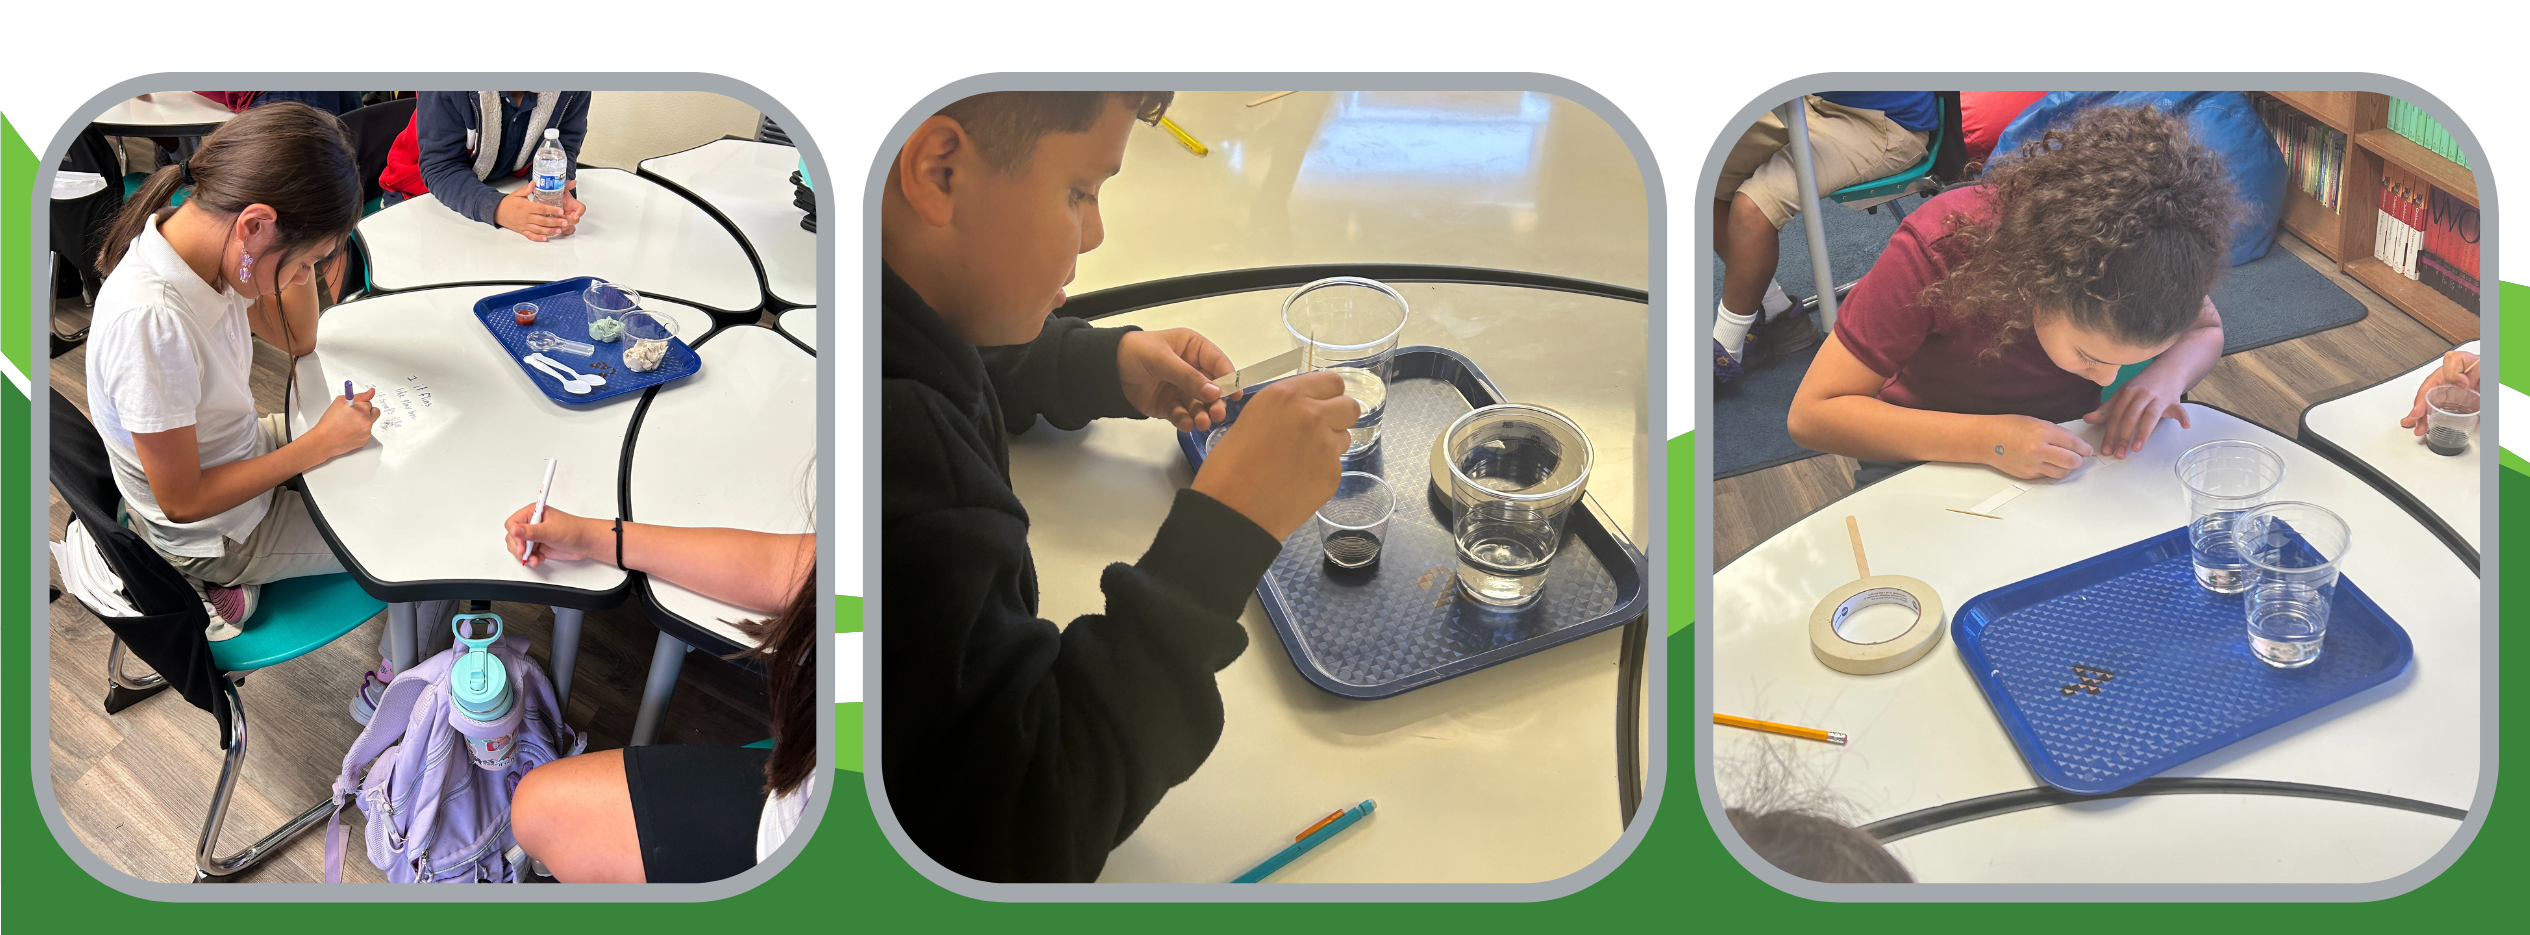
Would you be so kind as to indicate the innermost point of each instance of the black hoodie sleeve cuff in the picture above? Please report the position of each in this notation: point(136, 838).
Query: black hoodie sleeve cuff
point(1210, 553)
point(1097, 387)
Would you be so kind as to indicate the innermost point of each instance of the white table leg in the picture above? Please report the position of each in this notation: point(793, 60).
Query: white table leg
point(666, 660)
point(401, 637)
point(566, 652)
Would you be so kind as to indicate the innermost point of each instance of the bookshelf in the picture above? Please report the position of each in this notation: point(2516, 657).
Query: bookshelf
point(2346, 236)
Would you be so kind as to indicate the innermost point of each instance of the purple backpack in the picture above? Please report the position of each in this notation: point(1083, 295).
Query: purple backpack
point(434, 817)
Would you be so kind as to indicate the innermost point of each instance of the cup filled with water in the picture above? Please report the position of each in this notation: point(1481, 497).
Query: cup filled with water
point(1515, 473)
point(2293, 550)
point(2224, 480)
point(1348, 326)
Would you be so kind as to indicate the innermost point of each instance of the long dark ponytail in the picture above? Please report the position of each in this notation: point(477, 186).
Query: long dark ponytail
point(288, 156)
point(787, 648)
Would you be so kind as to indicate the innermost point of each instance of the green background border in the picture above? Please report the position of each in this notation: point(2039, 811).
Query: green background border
point(849, 875)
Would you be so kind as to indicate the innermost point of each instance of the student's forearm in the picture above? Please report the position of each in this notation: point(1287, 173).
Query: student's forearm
point(1867, 428)
point(217, 490)
point(759, 571)
point(2189, 360)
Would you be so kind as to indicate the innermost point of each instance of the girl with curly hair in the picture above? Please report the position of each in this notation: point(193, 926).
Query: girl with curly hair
point(2001, 309)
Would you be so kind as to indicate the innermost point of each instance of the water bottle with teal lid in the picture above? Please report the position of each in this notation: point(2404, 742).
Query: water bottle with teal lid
point(482, 704)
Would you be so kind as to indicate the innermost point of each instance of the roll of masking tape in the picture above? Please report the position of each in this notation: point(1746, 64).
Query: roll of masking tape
point(1890, 655)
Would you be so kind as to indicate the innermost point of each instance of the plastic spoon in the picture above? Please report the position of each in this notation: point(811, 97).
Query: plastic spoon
point(566, 370)
point(571, 384)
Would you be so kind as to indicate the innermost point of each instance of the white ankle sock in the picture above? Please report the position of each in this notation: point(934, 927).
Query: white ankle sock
point(1731, 328)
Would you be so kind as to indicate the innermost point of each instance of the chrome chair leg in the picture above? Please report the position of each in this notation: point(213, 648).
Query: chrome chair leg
point(208, 866)
point(123, 691)
point(667, 658)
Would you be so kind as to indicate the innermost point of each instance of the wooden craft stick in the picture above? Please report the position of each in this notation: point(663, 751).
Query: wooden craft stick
point(1853, 530)
point(1270, 98)
point(1971, 512)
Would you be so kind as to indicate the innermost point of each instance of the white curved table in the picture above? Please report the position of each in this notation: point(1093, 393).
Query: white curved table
point(2181, 839)
point(163, 113)
point(1924, 735)
point(636, 232)
point(2364, 425)
point(750, 184)
point(799, 323)
point(753, 410)
point(1508, 180)
point(420, 508)
point(1502, 775)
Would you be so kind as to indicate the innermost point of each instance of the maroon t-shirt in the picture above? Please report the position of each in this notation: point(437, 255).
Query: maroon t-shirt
point(1932, 358)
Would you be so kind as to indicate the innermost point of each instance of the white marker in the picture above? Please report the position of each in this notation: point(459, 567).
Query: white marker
point(541, 494)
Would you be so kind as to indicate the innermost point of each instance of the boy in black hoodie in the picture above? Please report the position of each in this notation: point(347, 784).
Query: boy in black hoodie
point(1014, 750)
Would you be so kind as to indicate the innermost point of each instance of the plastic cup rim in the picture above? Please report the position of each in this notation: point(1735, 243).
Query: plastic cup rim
point(627, 291)
point(1381, 485)
point(2346, 533)
point(1459, 479)
point(1404, 312)
point(2180, 469)
point(2476, 399)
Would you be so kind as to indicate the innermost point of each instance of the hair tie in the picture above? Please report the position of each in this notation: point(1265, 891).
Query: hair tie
point(186, 167)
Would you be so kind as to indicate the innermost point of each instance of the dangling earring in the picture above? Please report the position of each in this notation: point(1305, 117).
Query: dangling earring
point(245, 266)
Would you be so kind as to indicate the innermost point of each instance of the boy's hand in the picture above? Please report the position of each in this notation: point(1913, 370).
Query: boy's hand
point(2135, 411)
point(1279, 463)
point(531, 220)
point(344, 427)
point(562, 537)
point(2029, 448)
point(572, 209)
point(1168, 375)
point(2459, 368)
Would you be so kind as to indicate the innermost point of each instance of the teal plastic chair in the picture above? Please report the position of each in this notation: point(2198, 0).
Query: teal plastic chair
point(294, 618)
point(1888, 190)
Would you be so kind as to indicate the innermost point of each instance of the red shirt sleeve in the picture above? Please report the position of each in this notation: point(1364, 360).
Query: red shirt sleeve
point(1881, 322)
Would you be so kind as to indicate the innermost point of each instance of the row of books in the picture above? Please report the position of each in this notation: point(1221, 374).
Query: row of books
point(2314, 153)
point(2409, 121)
point(2428, 235)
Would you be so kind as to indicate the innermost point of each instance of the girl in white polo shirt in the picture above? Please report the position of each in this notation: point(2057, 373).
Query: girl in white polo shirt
point(271, 194)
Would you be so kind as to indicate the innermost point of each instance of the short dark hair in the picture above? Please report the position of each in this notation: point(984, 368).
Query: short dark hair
point(1813, 847)
point(1006, 125)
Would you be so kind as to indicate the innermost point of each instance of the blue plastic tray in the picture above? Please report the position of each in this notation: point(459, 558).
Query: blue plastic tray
point(1397, 626)
point(558, 309)
point(2181, 681)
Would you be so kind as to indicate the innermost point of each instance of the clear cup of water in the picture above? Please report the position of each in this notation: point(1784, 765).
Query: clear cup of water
point(2450, 419)
point(2293, 550)
point(2224, 479)
point(1349, 326)
point(1354, 522)
point(1515, 473)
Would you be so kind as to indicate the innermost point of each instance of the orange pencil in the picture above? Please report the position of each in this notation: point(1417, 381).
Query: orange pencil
point(1805, 733)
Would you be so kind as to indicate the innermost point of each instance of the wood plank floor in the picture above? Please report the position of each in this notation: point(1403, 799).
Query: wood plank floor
point(135, 786)
point(2270, 386)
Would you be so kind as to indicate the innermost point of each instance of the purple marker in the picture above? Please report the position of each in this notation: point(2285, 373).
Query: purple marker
point(346, 392)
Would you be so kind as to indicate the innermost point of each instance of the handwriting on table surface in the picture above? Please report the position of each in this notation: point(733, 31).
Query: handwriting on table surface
point(401, 406)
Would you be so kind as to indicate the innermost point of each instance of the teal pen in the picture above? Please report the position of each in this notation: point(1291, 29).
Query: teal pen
point(1315, 836)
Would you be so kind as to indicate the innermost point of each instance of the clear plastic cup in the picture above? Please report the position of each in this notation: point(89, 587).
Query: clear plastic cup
point(2223, 480)
point(1349, 326)
point(647, 334)
point(608, 303)
point(1354, 523)
point(1515, 473)
point(2450, 419)
point(2293, 550)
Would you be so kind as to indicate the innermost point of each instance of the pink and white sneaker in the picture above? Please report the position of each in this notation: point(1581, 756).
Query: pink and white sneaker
point(373, 689)
point(229, 608)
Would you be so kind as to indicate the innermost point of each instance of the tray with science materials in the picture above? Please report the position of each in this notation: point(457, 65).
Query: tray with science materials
point(1400, 624)
point(2118, 668)
point(560, 311)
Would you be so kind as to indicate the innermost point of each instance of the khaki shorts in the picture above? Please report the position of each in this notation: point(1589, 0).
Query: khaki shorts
point(284, 545)
point(1847, 146)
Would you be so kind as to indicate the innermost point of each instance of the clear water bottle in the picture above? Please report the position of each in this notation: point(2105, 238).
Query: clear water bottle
point(552, 169)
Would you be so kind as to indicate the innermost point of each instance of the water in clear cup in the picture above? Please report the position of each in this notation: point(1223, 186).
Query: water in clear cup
point(552, 169)
point(1366, 388)
point(1503, 555)
point(2287, 624)
point(2219, 567)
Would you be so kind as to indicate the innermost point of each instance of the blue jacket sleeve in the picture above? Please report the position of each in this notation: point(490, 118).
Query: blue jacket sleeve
point(572, 118)
point(440, 123)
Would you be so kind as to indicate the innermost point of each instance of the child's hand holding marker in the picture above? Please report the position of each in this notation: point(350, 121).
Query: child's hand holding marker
point(345, 426)
point(2031, 448)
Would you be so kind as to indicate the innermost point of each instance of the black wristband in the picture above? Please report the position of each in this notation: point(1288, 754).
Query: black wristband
point(619, 543)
